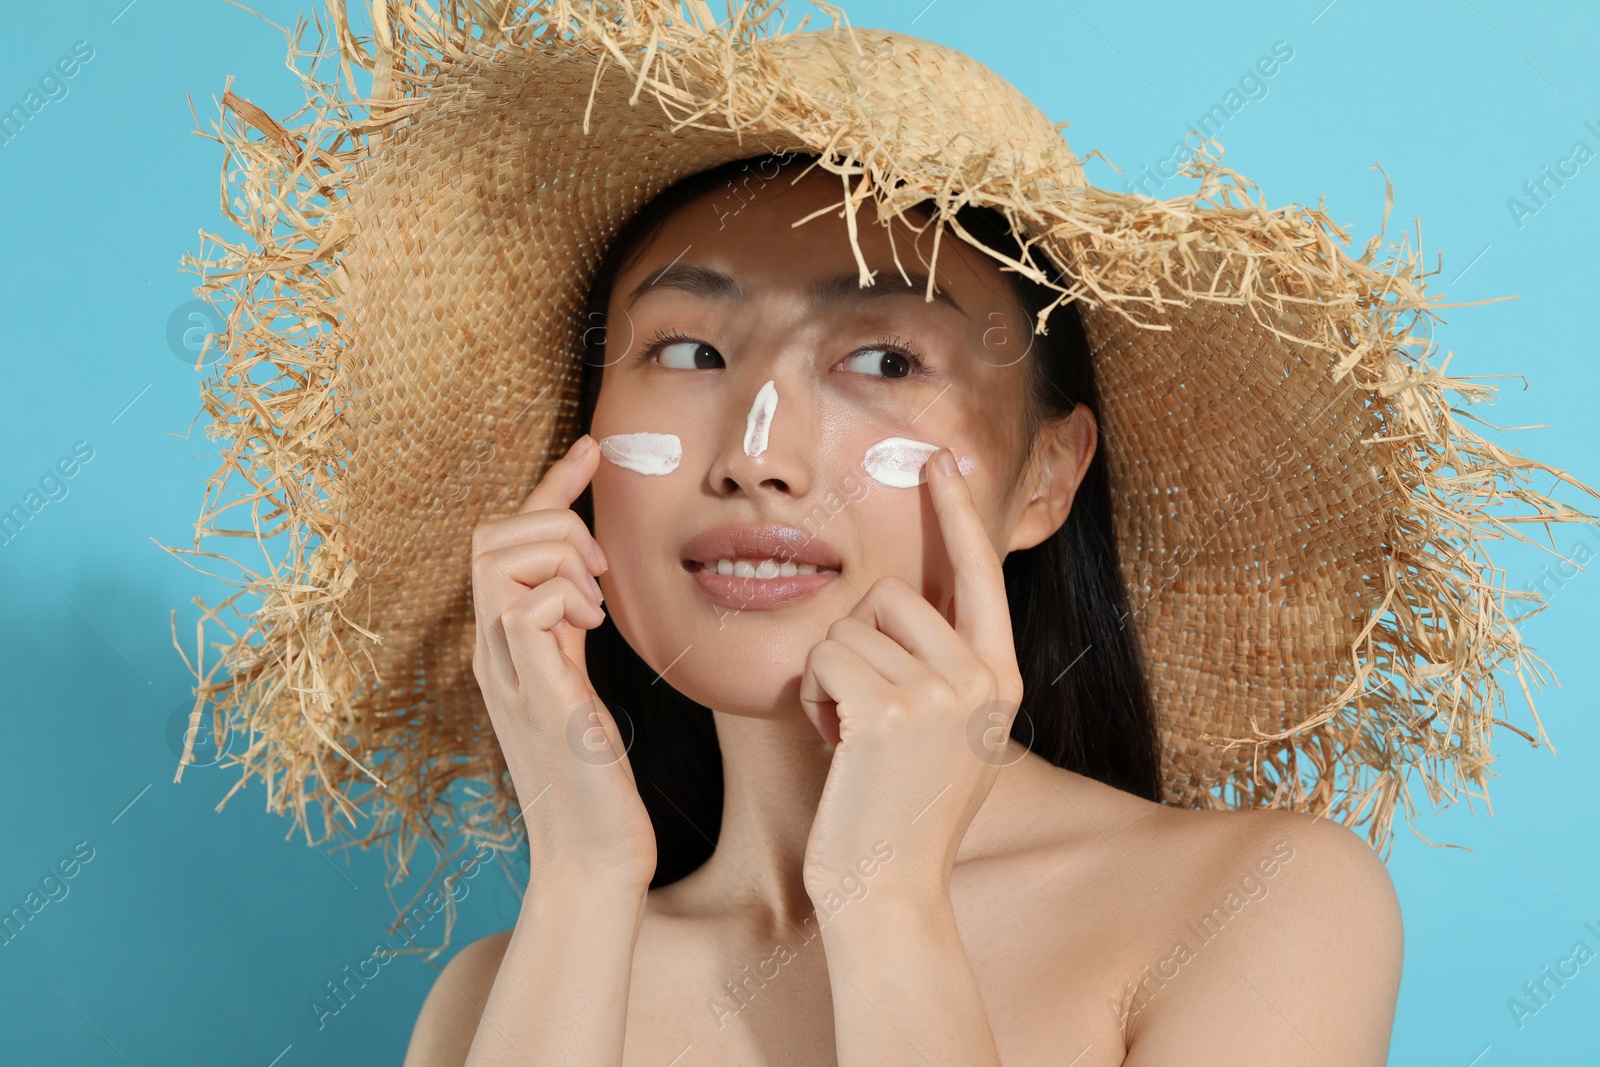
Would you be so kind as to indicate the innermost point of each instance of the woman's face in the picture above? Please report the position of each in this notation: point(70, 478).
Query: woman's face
point(727, 298)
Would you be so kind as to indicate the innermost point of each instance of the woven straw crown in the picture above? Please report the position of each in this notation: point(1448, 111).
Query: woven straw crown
point(1300, 515)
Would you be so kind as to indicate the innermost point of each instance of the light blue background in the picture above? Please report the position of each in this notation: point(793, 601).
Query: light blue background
point(198, 937)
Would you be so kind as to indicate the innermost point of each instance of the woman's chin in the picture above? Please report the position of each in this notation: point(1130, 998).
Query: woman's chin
point(747, 693)
point(741, 662)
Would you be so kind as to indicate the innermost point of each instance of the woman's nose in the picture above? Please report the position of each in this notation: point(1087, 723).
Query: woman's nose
point(766, 441)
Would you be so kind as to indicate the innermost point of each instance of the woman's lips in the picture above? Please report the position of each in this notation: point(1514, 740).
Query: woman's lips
point(756, 549)
point(758, 594)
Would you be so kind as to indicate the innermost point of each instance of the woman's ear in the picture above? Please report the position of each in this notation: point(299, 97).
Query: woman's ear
point(1063, 455)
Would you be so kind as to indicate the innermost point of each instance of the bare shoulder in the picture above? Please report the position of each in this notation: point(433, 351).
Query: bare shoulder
point(449, 1017)
point(1305, 861)
point(1214, 936)
point(1285, 943)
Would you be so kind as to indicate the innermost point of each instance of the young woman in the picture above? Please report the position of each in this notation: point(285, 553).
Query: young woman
point(863, 852)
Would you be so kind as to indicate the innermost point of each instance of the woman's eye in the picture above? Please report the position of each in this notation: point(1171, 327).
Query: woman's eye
point(689, 355)
point(884, 361)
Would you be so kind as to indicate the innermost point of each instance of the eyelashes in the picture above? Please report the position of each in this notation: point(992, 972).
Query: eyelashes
point(890, 343)
point(663, 338)
point(900, 347)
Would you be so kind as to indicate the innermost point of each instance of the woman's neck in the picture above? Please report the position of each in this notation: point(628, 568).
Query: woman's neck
point(773, 775)
point(773, 771)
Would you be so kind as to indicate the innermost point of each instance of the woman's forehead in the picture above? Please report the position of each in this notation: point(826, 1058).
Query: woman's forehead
point(752, 241)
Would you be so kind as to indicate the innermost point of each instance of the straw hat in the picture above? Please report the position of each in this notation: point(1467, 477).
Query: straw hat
point(1301, 517)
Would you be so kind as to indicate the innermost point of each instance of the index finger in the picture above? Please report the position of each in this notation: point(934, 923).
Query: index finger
point(564, 481)
point(982, 615)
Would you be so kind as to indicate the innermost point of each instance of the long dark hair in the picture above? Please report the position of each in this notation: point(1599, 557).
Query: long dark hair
point(1086, 705)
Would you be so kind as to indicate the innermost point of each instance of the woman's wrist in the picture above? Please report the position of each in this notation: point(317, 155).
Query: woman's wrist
point(885, 912)
point(587, 895)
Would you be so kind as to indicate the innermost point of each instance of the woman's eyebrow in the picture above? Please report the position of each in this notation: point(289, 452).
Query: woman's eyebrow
point(828, 293)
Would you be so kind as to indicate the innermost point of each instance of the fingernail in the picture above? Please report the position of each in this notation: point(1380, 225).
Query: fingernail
point(598, 595)
point(581, 446)
point(946, 461)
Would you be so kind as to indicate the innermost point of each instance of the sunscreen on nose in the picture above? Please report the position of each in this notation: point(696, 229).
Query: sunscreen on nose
point(647, 453)
point(898, 461)
point(759, 421)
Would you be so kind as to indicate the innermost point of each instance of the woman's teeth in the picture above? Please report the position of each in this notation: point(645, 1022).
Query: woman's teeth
point(762, 568)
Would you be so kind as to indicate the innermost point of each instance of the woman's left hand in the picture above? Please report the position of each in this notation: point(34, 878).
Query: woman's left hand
point(920, 709)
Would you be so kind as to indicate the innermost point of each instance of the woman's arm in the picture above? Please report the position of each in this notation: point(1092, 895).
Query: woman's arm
point(560, 994)
point(917, 704)
point(903, 988)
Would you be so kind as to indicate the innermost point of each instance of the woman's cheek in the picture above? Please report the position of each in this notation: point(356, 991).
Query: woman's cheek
point(900, 462)
point(889, 531)
point(625, 514)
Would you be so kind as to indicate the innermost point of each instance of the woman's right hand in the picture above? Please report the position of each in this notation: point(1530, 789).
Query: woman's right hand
point(534, 596)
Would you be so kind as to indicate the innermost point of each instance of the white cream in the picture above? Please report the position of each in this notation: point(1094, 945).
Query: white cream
point(759, 421)
point(898, 461)
point(647, 453)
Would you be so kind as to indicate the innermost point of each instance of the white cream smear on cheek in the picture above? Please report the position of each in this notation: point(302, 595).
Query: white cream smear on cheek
point(647, 453)
point(759, 421)
point(898, 461)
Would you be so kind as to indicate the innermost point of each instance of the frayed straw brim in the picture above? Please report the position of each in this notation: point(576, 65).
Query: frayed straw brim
point(406, 309)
